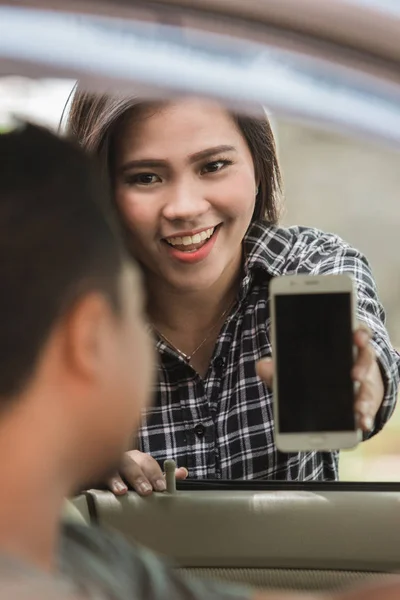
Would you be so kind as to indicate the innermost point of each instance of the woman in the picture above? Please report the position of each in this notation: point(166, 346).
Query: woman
point(197, 190)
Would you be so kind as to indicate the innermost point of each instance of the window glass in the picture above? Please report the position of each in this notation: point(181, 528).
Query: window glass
point(336, 122)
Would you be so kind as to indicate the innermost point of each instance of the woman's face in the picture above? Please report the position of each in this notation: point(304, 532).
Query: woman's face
point(186, 187)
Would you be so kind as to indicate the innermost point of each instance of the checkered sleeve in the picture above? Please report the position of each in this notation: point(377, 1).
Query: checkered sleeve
point(331, 255)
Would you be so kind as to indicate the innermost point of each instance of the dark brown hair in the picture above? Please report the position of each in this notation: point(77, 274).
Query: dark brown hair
point(94, 121)
point(56, 245)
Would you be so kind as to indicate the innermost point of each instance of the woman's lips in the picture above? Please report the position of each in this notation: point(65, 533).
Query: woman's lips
point(189, 252)
point(187, 243)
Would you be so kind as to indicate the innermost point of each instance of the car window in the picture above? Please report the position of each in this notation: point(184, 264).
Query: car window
point(336, 118)
point(339, 184)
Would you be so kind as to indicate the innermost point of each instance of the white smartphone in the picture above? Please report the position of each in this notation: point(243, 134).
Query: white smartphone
point(312, 325)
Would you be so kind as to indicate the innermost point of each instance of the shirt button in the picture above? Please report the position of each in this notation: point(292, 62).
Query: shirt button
point(200, 430)
point(219, 362)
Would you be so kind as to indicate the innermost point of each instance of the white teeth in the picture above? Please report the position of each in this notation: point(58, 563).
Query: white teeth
point(188, 240)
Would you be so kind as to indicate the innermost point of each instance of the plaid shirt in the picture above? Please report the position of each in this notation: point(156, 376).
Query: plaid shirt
point(222, 426)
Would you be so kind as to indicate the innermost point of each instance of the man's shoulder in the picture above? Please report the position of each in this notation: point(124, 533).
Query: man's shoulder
point(84, 545)
point(99, 559)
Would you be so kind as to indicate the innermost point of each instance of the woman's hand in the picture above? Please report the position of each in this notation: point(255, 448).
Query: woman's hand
point(143, 473)
point(365, 372)
point(368, 375)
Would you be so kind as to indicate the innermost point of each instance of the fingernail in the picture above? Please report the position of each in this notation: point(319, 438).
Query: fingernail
point(369, 423)
point(160, 485)
point(119, 486)
point(184, 469)
point(145, 487)
point(364, 336)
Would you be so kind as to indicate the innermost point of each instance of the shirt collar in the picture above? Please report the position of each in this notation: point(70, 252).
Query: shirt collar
point(266, 248)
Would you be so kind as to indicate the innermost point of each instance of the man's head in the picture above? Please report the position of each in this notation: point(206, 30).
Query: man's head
point(75, 358)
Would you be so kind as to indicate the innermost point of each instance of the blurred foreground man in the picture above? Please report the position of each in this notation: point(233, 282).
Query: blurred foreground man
point(75, 372)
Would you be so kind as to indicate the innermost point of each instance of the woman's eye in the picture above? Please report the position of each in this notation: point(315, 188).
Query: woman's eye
point(142, 179)
point(214, 166)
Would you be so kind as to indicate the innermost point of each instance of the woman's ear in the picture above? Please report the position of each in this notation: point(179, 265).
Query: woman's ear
point(258, 183)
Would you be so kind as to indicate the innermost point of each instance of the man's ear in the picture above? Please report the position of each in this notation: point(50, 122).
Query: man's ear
point(88, 335)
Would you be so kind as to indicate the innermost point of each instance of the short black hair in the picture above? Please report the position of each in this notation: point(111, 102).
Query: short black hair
point(56, 244)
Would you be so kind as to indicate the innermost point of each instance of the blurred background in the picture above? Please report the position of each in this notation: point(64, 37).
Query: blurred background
point(331, 182)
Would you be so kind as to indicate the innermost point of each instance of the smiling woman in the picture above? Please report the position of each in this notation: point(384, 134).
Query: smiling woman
point(197, 189)
point(149, 175)
point(200, 184)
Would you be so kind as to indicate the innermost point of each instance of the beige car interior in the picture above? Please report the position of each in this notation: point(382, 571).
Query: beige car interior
point(272, 540)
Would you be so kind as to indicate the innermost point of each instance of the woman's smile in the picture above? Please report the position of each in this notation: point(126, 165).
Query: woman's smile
point(192, 248)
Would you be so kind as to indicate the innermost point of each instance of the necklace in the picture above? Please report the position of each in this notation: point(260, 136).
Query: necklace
point(189, 357)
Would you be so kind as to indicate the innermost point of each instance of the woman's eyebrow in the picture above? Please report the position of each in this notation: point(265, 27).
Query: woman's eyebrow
point(147, 163)
point(154, 163)
point(210, 152)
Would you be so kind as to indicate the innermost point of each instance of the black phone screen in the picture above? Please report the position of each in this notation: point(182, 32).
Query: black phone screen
point(314, 347)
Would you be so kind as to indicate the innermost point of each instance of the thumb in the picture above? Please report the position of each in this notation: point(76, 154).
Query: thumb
point(265, 370)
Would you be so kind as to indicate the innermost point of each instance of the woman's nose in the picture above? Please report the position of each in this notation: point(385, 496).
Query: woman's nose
point(184, 204)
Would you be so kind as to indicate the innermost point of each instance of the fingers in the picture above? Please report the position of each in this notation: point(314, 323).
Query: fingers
point(181, 473)
point(366, 353)
point(365, 360)
point(117, 486)
point(370, 385)
point(364, 407)
point(362, 337)
point(369, 397)
point(143, 473)
point(362, 328)
point(265, 370)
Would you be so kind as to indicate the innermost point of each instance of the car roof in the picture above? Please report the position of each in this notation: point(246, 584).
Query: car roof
point(336, 63)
